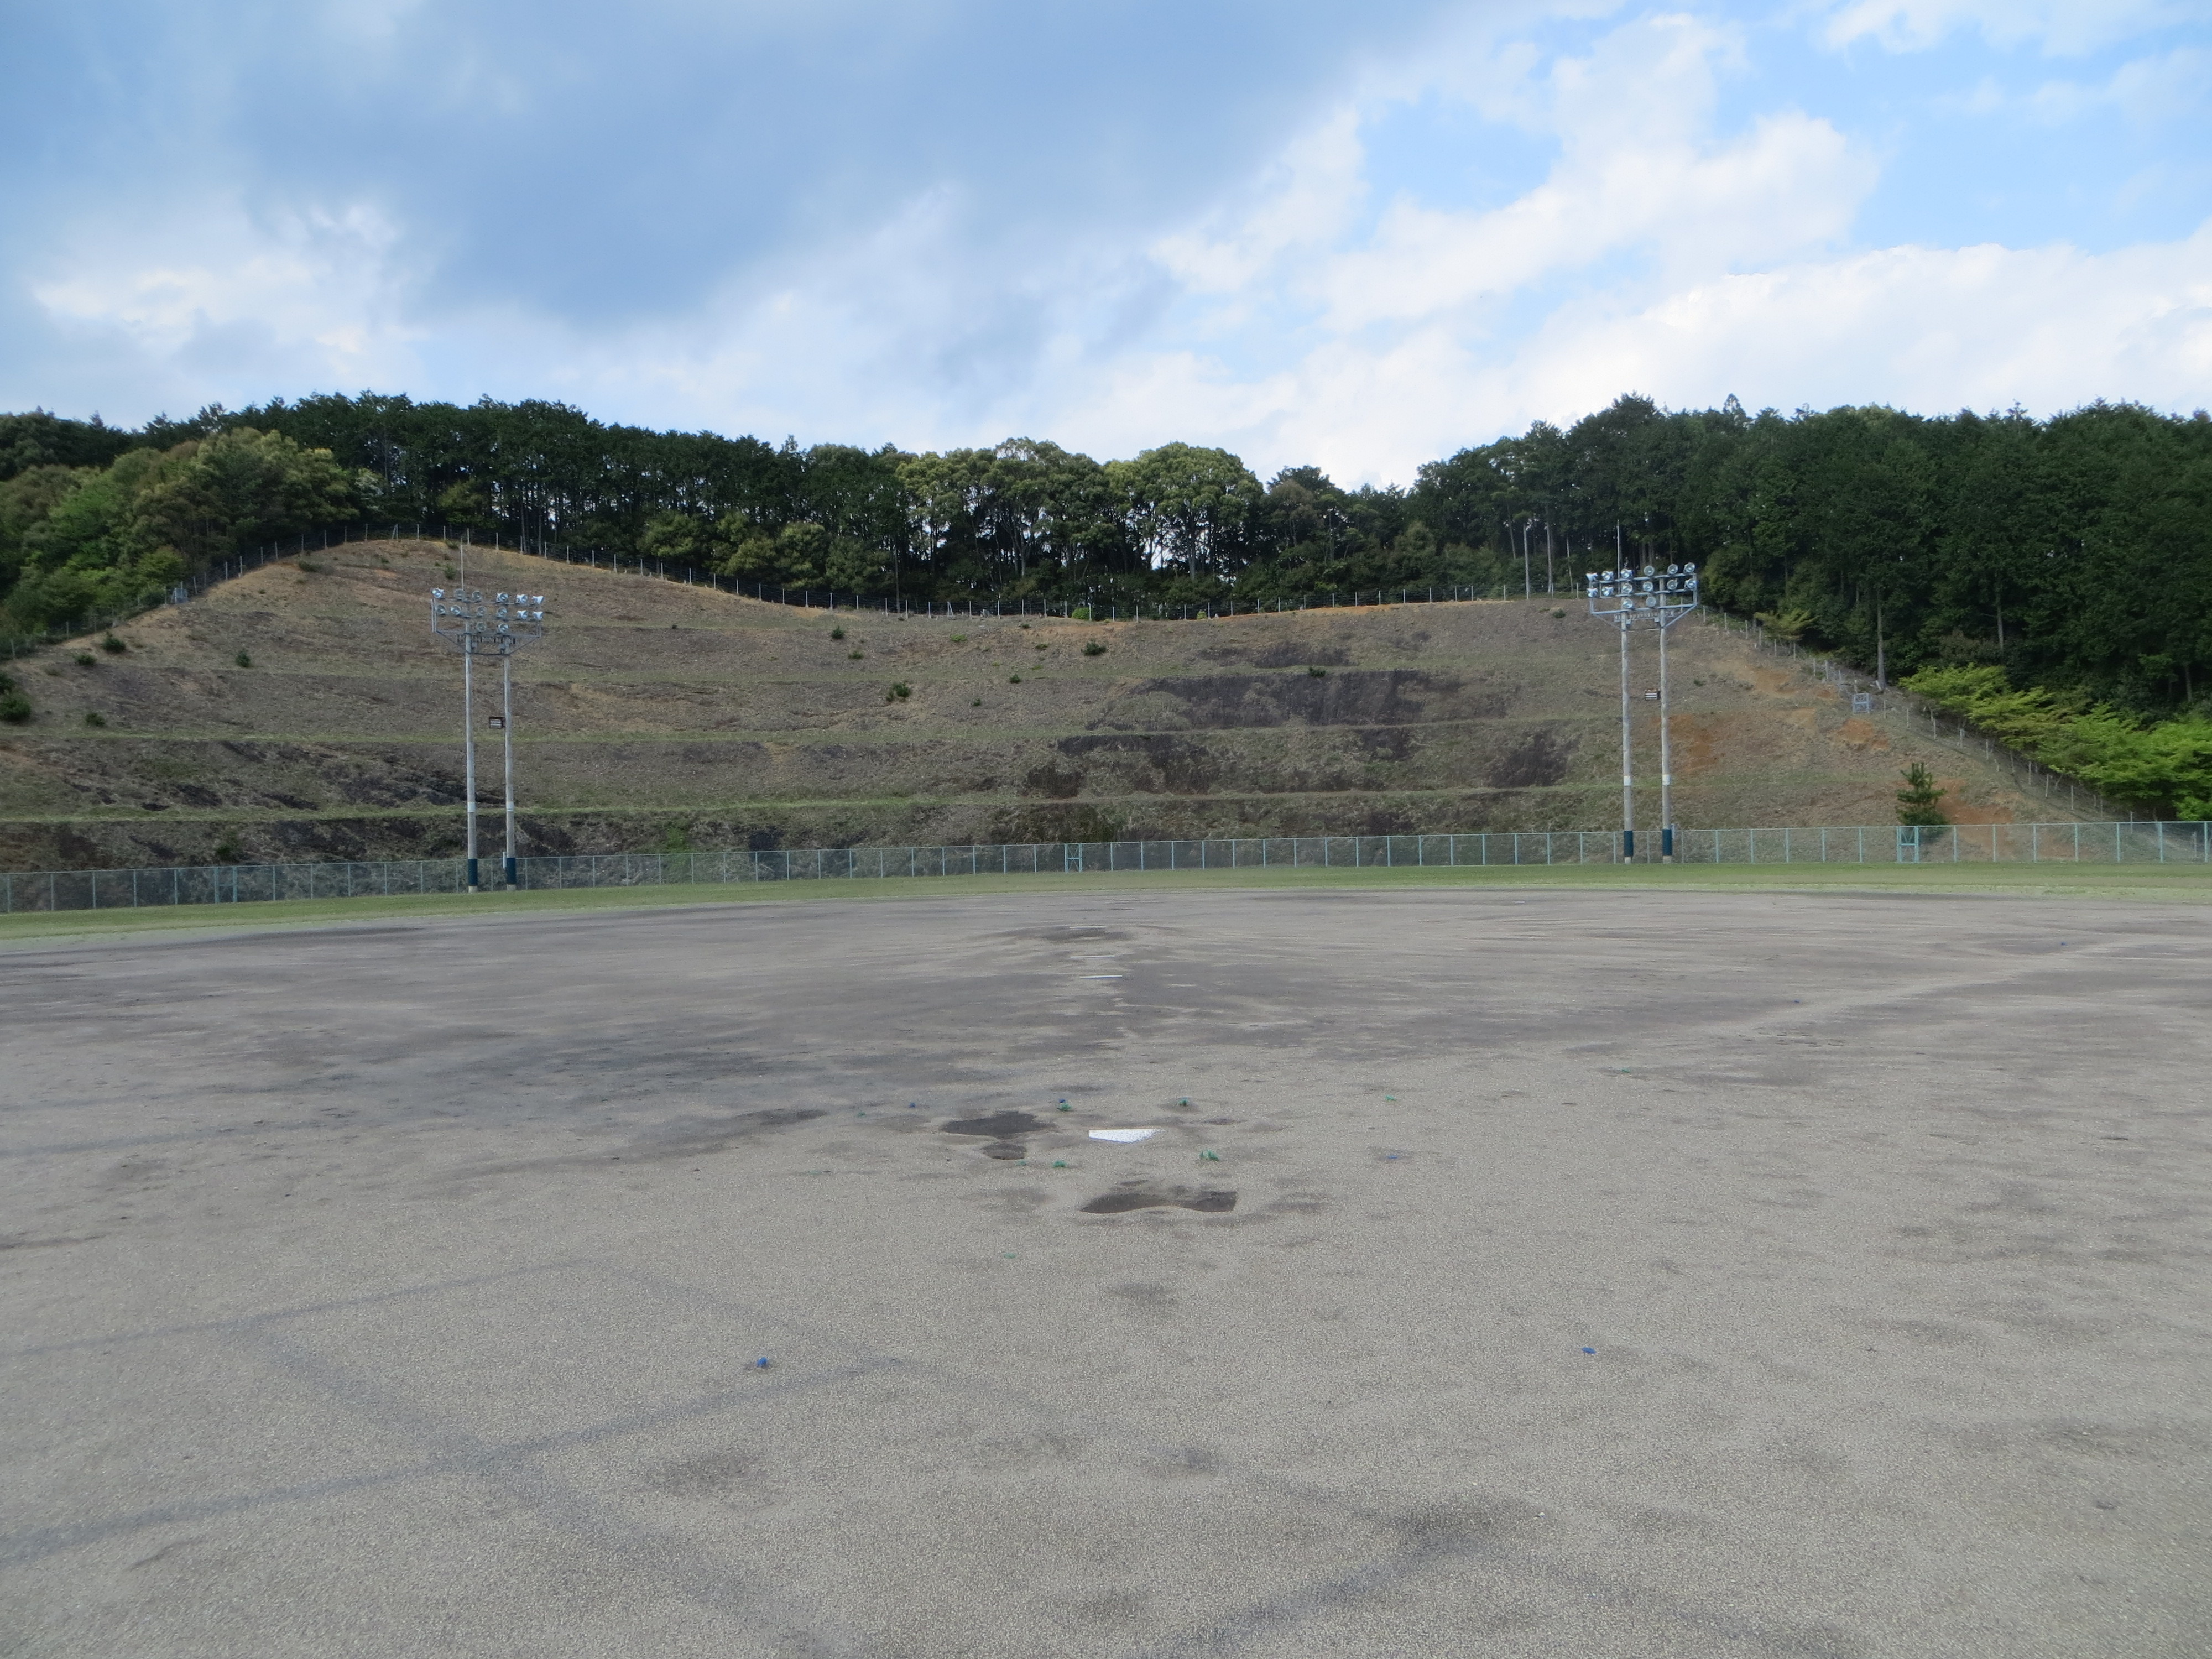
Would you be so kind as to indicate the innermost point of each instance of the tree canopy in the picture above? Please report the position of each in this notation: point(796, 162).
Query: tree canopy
point(2074, 553)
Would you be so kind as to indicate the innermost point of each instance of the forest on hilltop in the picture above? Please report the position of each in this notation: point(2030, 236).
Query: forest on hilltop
point(2072, 555)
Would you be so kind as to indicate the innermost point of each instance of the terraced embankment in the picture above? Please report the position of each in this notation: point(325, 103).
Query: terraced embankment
point(654, 713)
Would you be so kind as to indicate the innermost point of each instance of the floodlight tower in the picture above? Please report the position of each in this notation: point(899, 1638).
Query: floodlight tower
point(499, 629)
point(1660, 599)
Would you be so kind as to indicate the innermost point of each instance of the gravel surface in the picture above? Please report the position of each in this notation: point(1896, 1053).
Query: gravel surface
point(1594, 1273)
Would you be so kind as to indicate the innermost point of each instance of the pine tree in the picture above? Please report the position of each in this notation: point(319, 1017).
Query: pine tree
point(1918, 804)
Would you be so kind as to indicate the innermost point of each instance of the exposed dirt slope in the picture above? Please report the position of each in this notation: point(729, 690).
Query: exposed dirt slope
point(655, 712)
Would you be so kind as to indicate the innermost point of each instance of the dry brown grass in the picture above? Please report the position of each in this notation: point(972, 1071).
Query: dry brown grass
point(653, 709)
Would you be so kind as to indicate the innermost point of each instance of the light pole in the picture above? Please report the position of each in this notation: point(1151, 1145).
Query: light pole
point(498, 628)
point(1661, 597)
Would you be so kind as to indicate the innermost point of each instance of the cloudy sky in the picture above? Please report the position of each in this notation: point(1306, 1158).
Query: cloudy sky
point(1360, 235)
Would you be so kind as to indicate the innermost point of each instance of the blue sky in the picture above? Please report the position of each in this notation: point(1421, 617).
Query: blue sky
point(1355, 236)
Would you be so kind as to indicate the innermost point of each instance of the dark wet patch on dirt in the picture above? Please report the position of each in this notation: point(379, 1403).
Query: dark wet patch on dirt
point(999, 1126)
point(1005, 1151)
point(692, 1138)
point(709, 1476)
point(308, 935)
point(1151, 1195)
point(713, 1134)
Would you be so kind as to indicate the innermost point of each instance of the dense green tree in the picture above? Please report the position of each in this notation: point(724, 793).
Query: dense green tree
point(2075, 553)
point(92, 539)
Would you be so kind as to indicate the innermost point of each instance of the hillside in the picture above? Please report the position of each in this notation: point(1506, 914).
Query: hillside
point(655, 714)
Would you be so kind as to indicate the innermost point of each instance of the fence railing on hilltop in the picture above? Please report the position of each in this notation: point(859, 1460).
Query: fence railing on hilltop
point(2147, 842)
point(1111, 609)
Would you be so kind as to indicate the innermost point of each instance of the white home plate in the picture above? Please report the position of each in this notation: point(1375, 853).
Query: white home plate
point(1123, 1135)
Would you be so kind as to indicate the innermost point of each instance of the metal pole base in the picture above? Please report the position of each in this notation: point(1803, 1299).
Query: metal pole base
point(512, 883)
point(1628, 846)
point(472, 875)
point(1667, 845)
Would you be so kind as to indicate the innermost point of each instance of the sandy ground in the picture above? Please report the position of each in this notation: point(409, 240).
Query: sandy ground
point(1607, 1274)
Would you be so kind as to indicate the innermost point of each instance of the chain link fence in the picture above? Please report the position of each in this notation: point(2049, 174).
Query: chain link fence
point(2147, 842)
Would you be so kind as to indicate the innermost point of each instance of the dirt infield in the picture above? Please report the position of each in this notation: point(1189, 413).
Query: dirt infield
point(1510, 1272)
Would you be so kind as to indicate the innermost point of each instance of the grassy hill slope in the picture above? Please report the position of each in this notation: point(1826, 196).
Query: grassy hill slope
point(655, 714)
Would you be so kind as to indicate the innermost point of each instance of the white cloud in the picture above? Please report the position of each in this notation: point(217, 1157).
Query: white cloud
point(1638, 171)
point(1927, 328)
point(2064, 27)
point(1684, 240)
point(1663, 259)
point(317, 292)
point(1924, 328)
point(1304, 200)
point(2162, 86)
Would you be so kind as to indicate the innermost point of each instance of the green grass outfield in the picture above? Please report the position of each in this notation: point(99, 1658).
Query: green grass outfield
point(2190, 884)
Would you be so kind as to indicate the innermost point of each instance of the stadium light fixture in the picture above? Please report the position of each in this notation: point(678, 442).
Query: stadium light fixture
point(1660, 598)
point(497, 627)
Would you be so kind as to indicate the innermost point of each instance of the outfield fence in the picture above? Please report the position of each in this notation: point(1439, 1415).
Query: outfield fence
point(2146, 842)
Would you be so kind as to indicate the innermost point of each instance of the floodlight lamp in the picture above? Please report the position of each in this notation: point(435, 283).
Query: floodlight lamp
point(1590, 579)
point(437, 593)
point(1689, 570)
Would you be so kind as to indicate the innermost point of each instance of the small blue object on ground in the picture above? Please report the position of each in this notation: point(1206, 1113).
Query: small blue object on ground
point(1585, 1351)
point(761, 1364)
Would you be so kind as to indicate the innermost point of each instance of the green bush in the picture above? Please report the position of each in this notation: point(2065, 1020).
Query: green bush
point(1093, 649)
point(14, 708)
point(243, 660)
point(2166, 765)
point(94, 717)
point(113, 646)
